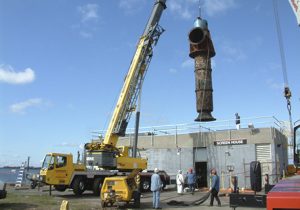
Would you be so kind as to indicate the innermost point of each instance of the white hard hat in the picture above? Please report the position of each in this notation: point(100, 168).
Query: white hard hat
point(156, 170)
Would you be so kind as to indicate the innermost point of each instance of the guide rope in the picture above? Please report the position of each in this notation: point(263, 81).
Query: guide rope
point(287, 91)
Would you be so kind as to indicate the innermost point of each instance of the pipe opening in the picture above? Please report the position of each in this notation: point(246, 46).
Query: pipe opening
point(196, 35)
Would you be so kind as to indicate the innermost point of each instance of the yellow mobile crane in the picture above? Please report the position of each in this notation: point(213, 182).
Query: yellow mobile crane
point(104, 159)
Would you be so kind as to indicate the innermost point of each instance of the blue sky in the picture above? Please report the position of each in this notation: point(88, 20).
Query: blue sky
point(62, 65)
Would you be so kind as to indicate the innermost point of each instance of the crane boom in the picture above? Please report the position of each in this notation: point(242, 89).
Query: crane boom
point(128, 96)
point(139, 64)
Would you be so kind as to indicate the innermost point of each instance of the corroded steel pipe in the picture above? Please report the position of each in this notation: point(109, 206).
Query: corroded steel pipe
point(201, 50)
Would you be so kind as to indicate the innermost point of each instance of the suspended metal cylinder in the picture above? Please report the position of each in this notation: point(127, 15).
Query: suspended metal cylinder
point(201, 50)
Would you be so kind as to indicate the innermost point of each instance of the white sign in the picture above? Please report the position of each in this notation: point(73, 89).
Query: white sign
point(230, 142)
point(90, 158)
point(295, 4)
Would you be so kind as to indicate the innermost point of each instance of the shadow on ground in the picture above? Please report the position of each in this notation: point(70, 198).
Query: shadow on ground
point(17, 206)
point(71, 196)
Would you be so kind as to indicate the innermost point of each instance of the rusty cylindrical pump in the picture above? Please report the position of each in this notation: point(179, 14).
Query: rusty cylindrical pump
point(201, 50)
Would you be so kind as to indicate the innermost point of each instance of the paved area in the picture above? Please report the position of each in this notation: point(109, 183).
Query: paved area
point(34, 199)
point(188, 198)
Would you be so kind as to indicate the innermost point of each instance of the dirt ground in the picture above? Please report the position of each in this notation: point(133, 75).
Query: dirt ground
point(41, 200)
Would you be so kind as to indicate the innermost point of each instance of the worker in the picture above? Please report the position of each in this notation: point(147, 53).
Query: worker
point(156, 185)
point(215, 187)
point(237, 121)
point(191, 179)
point(179, 182)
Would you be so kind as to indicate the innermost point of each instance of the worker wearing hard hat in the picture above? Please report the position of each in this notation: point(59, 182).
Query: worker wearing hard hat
point(156, 185)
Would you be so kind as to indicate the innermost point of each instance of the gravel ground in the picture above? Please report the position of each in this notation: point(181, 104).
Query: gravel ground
point(33, 199)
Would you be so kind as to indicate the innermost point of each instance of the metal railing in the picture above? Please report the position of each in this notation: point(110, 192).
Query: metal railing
point(185, 128)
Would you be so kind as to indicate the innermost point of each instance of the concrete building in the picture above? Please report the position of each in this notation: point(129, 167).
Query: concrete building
point(230, 151)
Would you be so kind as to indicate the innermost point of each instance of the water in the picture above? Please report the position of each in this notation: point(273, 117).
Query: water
point(9, 175)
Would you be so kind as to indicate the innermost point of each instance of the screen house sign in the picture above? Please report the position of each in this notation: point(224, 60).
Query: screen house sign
point(230, 142)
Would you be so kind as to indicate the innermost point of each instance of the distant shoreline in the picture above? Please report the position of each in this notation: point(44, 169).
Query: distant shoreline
point(18, 167)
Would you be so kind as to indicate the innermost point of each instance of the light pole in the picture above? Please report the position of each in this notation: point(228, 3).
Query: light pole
point(227, 153)
point(179, 154)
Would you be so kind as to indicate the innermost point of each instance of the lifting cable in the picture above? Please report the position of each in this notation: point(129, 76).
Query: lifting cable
point(287, 91)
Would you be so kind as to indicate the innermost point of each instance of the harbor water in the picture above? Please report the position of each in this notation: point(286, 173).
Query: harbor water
point(9, 175)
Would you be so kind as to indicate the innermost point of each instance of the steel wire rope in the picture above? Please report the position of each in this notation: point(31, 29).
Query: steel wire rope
point(280, 42)
point(287, 92)
point(112, 108)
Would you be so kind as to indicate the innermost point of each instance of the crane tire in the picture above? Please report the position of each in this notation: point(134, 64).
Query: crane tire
point(145, 185)
point(78, 186)
point(97, 185)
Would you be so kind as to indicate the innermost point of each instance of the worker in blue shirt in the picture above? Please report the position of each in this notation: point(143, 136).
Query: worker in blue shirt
point(191, 179)
point(215, 187)
point(156, 185)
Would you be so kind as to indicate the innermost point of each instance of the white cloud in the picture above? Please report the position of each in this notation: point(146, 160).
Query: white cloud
point(182, 8)
point(131, 6)
point(86, 34)
point(232, 52)
point(89, 12)
point(21, 107)
point(81, 146)
point(187, 9)
point(189, 63)
point(66, 144)
point(173, 71)
point(216, 7)
point(89, 20)
point(274, 85)
point(8, 75)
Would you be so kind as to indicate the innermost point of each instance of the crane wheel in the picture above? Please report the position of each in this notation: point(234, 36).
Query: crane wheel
point(145, 185)
point(78, 186)
point(97, 185)
point(33, 184)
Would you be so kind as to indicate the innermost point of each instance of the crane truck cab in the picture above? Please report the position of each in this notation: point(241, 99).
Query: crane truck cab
point(58, 170)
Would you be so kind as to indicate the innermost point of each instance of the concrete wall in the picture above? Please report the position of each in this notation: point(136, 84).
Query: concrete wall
point(238, 156)
point(280, 155)
point(162, 152)
point(169, 159)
